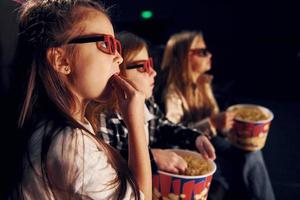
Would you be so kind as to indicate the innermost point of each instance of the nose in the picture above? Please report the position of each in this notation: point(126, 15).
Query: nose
point(118, 58)
point(209, 55)
point(152, 72)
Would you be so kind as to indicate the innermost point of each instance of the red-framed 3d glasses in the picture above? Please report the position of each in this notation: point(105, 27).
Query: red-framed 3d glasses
point(142, 67)
point(105, 43)
point(201, 52)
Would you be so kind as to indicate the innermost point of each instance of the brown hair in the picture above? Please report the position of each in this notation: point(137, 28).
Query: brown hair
point(176, 64)
point(132, 45)
point(43, 26)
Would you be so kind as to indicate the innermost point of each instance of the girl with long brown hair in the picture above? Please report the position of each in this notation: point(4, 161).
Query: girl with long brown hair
point(71, 56)
point(137, 66)
point(188, 98)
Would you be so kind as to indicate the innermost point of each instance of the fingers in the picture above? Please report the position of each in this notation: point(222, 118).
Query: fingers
point(123, 84)
point(176, 163)
point(203, 152)
point(205, 148)
point(181, 164)
point(171, 169)
point(229, 120)
point(205, 78)
point(130, 81)
point(119, 92)
point(210, 150)
point(176, 168)
point(201, 148)
point(171, 162)
point(231, 115)
point(208, 77)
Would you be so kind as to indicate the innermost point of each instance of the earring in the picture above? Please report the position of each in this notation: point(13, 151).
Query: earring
point(67, 69)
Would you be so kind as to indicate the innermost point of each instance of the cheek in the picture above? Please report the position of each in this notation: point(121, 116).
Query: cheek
point(148, 87)
point(140, 83)
point(93, 81)
point(198, 65)
point(91, 73)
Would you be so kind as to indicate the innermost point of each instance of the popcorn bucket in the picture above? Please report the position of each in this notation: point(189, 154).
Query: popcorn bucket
point(251, 126)
point(168, 186)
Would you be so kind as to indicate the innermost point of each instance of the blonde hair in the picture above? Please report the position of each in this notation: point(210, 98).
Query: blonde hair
point(199, 97)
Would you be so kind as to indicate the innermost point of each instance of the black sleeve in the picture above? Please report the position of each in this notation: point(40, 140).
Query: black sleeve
point(167, 134)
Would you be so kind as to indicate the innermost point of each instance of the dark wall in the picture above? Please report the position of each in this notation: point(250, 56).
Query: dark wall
point(8, 40)
point(255, 46)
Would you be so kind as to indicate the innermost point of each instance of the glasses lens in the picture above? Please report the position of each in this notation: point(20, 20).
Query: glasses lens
point(118, 46)
point(111, 46)
point(203, 52)
point(142, 68)
point(104, 45)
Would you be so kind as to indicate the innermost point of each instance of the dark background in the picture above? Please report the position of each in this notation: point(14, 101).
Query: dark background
point(256, 57)
point(255, 45)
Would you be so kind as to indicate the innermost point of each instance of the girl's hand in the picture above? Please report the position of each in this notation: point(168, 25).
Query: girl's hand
point(205, 148)
point(169, 161)
point(130, 100)
point(131, 104)
point(223, 121)
point(204, 78)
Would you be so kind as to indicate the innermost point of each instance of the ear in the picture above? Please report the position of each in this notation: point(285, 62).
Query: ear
point(58, 60)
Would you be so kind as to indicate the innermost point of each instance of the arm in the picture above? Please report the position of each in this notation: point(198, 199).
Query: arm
point(206, 126)
point(131, 103)
point(223, 121)
point(165, 134)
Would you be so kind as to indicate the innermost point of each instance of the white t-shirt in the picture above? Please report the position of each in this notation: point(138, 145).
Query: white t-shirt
point(75, 154)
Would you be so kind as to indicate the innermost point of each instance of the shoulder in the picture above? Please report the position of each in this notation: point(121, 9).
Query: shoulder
point(172, 92)
point(63, 142)
point(173, 95)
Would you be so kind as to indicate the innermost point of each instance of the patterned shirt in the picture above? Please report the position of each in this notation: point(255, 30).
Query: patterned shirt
point(162, 133)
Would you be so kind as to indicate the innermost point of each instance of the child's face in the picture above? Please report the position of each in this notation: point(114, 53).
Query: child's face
point(143, 80)
point(200, 60)
point(92, 67)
